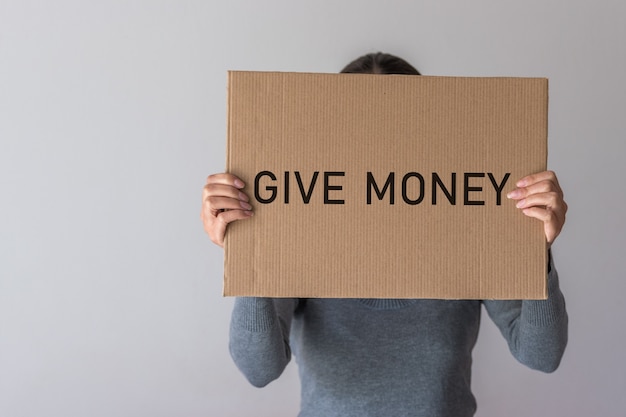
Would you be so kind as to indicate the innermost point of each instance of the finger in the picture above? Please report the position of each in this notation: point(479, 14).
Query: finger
point(552, 224)
point(216, 226)
point(549, 199)
point(223, 220)
point(538, 177)
point(225, 179)
point(230, 216)
point(540, 187)
point(216, 204)
point(210, 190)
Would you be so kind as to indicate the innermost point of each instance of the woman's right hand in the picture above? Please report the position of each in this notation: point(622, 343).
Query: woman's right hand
point(223, 202)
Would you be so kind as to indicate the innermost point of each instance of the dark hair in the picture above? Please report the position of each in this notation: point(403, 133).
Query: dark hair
point(380, 63)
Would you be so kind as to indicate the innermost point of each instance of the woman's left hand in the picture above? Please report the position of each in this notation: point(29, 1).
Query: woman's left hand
point(540, 196)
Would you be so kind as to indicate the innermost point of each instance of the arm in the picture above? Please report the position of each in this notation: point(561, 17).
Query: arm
point(259, 330)
point(259, 337)
point(535, 330)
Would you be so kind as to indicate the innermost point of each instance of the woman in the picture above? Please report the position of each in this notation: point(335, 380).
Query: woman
point(363, 357)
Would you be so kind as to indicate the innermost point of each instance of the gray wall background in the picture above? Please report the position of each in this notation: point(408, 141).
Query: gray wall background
point(113, 113)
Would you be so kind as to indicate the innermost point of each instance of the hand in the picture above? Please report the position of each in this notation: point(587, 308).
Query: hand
point(540, 196)
point(223, 202)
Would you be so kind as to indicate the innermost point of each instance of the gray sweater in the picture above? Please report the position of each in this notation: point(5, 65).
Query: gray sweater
point(366, 357)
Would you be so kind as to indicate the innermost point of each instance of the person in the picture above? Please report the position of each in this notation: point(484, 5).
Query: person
point(388, 357)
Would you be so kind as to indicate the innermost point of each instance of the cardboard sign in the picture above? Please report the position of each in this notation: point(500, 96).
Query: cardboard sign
point(385, 186)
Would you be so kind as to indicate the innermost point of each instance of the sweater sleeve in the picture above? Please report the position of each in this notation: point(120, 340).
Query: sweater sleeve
point(535, 330)
point(259, 337)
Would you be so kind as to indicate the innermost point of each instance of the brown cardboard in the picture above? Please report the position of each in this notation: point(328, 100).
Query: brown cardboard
point(355, 124)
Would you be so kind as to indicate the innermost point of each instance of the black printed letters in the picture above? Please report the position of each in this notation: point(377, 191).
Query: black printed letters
point(413, 187)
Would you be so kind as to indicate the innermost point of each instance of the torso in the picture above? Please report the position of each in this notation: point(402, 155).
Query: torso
point(364, 356)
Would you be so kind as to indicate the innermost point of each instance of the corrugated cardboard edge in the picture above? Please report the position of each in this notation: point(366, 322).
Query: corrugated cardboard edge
point(228, 165)
point(545, 257)
point(545, 167)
